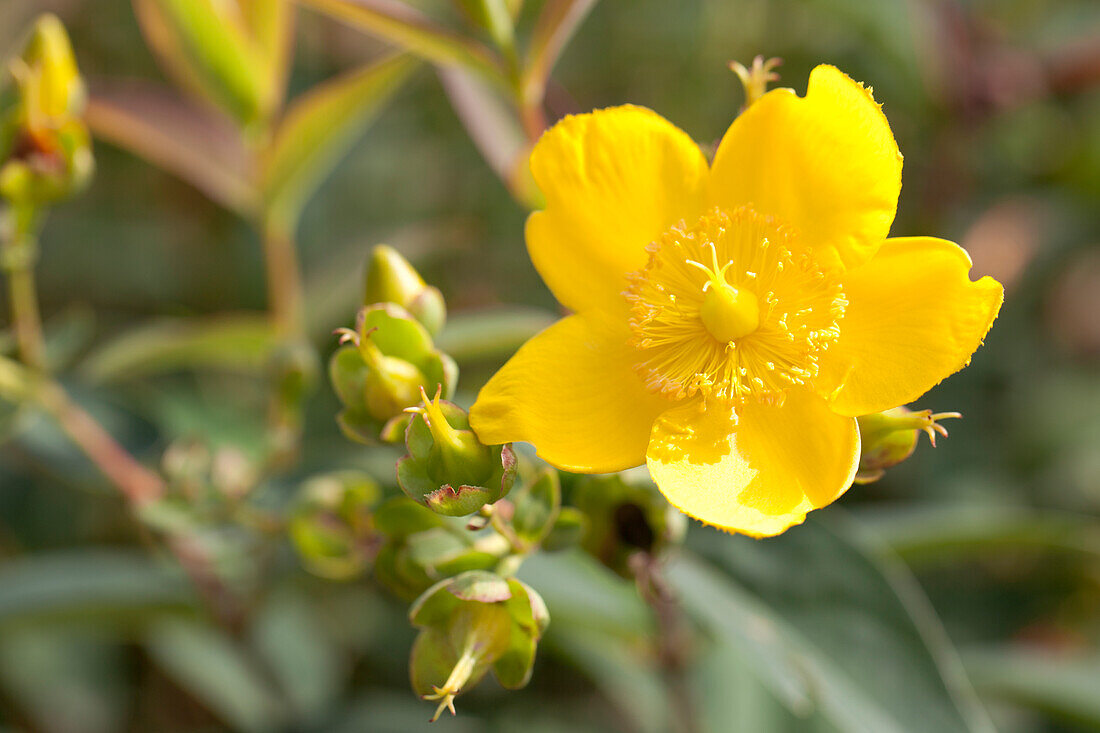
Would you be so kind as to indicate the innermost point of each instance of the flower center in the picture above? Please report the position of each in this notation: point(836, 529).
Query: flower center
point(727, 312)
point(750, 324)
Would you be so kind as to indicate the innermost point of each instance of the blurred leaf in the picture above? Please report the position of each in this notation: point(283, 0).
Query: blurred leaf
point(319, 129)
point(205, 46)
point(65, 680)
point(177, 136)
point(15, 381)
point(240, 342)
point(491, 334)
point(408, 28)
point(556, 25)
point(828, 627)
point(494, 130)
point(306, 662)
point(271, 25)
point(1063, 687)
point(88, 585)
point(493, 17)
point(211, 666)
point(625, 673)
point(923, 534)
point(582, 593)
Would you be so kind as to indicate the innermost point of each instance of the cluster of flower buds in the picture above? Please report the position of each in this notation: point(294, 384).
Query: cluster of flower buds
point(890, 437)
point(45, 148)
point(470, 624)
point(381, 370)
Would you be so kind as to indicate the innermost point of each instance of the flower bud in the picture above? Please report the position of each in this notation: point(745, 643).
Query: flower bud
point(332, 526)
point(470, 624)
point(890, 437)
point(447, 467)
point(391, 279)
point(625, 518)
point(45, 148)
point(385, 364)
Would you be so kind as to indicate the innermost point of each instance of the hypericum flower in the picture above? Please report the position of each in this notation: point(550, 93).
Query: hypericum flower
point(732, 320)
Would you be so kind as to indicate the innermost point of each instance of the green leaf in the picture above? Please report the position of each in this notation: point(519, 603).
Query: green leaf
point(808, 610)
point(493, 128)
point(622, 671)
point(1065, 687)
point(948, 532)
point(270, 23)
point(89, 585)
point(239, 342)
point(307, 663)
point(553, 30)
point(213, 668)
point(203, 45)
point(319, 128)
point(491, 334)
point(408, 28)
point(177, 136)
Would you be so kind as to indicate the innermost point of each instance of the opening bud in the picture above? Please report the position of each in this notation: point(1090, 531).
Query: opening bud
point(382, 368)
point(447, 467)
point(890, 437)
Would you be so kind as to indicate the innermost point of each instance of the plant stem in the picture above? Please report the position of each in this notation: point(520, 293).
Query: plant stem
point(672, 640)
point(19, 252)
point(284, 282)
point(136, 482)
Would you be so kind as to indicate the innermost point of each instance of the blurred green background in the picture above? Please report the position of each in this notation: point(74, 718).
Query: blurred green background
point(996, 107)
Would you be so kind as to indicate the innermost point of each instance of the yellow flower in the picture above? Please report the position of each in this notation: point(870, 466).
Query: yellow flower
point(731, 321)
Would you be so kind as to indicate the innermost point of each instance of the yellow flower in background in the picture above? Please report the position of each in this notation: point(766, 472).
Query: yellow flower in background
point(731, 321)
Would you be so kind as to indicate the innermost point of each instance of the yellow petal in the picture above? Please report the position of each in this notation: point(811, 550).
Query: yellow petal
point(757, 472)
point(914, 318)
point(573, 393)
point(614, 180)
point(826, 163)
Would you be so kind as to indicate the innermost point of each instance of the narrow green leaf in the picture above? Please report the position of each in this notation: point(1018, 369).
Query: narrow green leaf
point(944, 533)
point(555, 27)
point(408, 28)
point(203, 44)
point(809, 609)
point(177, 136)
point(88, 585)
point(211, 666)
point(270, 23)
point(234, 342)
point(319, 129)
point(1065, 687)
point(492, 126)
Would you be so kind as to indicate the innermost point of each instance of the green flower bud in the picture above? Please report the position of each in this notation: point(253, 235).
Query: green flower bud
point(447, 467)
point(890, 437)
point(391, 279)
point(45, 148)
point(470, 624)
point(625, 518)
point(381, 370)
point(332, 526)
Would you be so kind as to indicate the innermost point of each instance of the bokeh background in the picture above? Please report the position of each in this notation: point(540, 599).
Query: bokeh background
point(996, 107)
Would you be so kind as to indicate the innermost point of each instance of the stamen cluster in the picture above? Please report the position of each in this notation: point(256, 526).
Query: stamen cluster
point(800, 309)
